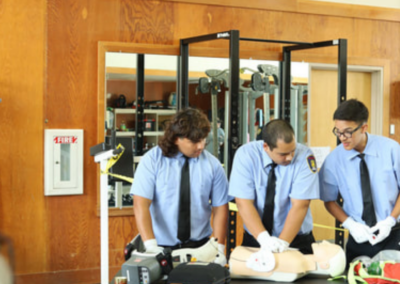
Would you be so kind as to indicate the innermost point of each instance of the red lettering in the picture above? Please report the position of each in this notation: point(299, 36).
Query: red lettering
point(65, 139)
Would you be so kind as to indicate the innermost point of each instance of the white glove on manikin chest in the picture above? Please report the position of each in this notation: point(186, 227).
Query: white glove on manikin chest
point(274, 244)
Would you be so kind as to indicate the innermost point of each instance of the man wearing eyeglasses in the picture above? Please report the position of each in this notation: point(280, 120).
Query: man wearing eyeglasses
point(365, 170)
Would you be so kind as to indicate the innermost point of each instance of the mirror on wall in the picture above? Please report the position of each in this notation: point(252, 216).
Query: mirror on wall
point(159, 104)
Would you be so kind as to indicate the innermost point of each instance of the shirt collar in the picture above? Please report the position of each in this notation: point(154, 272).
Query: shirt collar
point(368, 151)
point(265, 158)
point(180, 156)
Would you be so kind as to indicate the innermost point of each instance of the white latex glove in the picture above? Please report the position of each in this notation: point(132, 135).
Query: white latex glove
point(273, 244)
point(360, 232)
point(152, 247)
point(221, 258)
point(261, 261)
point(263, 239)
point(384, 228)
point(278, 245)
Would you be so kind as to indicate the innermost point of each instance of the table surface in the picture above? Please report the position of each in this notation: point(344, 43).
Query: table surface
point(312, 279)
point(303, 280)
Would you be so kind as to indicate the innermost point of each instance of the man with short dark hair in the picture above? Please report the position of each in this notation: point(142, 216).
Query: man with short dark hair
point(365, 170)
point(273, 182)
point(157, 185)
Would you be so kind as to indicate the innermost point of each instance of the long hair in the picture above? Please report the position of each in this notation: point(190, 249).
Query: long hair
point(188, 123)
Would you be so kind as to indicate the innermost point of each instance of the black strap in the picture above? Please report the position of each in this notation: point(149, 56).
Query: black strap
point(268, 214)
point(165, 261)
point(184, 204)
point(189, 244)
point(369, 212)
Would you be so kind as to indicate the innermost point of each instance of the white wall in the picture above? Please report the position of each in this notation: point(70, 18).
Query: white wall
point(200, 64)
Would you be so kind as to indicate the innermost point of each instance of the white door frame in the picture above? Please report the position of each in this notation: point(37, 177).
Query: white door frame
point(376, 111)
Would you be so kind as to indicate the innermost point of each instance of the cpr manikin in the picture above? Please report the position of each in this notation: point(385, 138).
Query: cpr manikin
point(246, 262)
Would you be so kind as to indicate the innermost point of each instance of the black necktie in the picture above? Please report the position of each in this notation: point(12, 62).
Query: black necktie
point(369, 212)
point(268, 214)
point(184, 204)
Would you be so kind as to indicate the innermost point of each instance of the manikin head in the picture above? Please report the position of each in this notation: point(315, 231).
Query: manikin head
point(330, 258)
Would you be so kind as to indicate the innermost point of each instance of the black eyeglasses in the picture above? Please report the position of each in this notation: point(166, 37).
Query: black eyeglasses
point(346, 133)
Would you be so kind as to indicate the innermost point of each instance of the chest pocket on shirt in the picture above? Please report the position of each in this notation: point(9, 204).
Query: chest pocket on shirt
point(386, 176)
point(201, 184)
point(167, 185)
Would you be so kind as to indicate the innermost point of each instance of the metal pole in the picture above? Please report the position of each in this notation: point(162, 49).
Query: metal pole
point(139, 127)
point(342, 96)
point(233, 140)
point(214, 111)
point(342, 71)
point(183, 93)
point(104, 223)
point(285, 86)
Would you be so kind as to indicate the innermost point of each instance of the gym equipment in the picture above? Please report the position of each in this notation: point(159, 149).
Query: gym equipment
point(204, 85)
point(259, 86)
point(273, 90)
point(218, 78)
point(256, 82)
point(298, 111)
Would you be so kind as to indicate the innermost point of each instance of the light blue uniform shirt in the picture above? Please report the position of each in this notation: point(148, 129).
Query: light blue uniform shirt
point(298, 180)
point(340, 172)
point(158, 178)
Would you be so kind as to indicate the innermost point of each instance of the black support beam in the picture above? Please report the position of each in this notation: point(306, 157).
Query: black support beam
point(139, 127)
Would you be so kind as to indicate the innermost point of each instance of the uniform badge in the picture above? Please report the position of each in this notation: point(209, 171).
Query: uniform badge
point(312, 164)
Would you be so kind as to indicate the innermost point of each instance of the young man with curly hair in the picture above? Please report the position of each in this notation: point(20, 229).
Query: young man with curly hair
point(157, 183)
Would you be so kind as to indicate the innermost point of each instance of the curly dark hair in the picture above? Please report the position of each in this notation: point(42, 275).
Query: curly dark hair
point(188, 123)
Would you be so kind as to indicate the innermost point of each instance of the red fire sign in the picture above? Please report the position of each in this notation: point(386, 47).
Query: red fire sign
point(65, 139)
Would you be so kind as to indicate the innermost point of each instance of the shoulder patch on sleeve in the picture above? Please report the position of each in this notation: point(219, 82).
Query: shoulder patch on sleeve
point(312, 164)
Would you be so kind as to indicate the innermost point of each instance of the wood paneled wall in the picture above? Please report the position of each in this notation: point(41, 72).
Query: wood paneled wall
point(22, 71)
point(48, 79)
